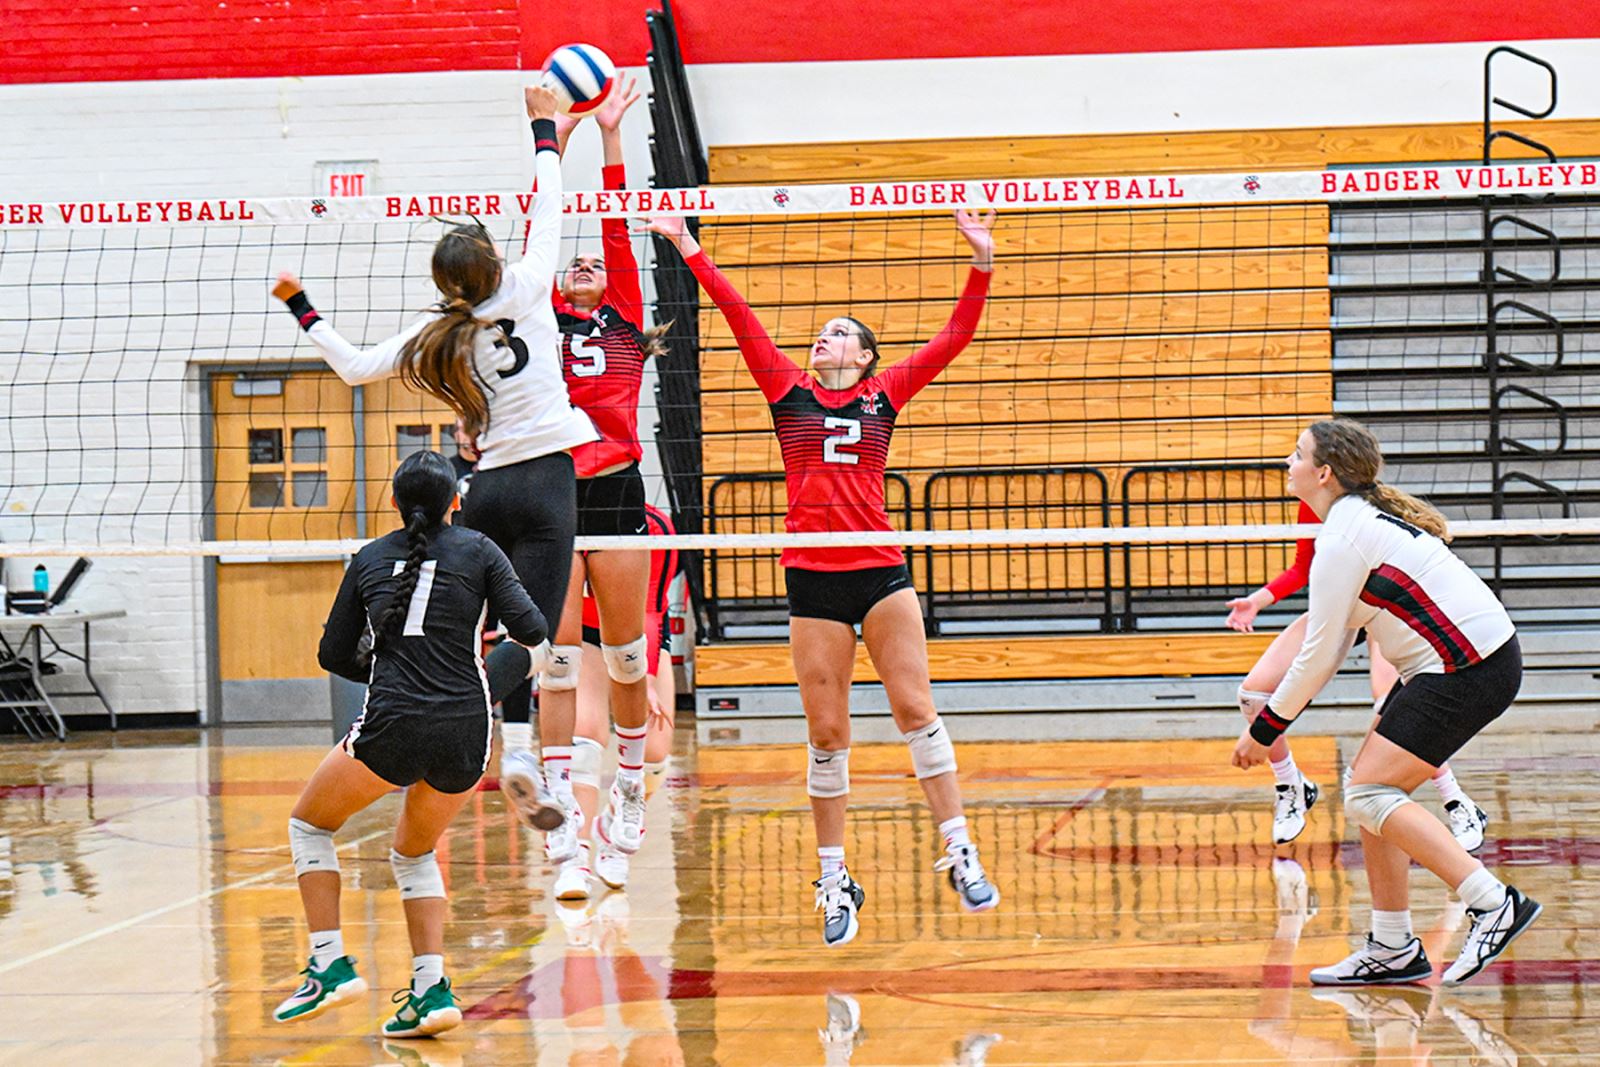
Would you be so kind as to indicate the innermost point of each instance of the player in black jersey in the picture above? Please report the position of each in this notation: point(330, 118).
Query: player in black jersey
point(406, 622)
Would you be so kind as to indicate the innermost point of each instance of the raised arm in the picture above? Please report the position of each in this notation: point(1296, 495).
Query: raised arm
point(905, 379)
point(356, 366)
point(622, 267)
point(774, 372)
point(531, 278)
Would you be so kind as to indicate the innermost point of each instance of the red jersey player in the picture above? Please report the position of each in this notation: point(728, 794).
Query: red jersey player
point(834, 432)
point(594, 697)
point(1294, 795)
point(600, 314)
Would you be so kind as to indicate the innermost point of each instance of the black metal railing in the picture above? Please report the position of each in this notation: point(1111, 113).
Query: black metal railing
point(974, 583)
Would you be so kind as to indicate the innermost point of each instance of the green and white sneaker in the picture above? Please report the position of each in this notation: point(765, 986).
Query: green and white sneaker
point(432, 1013)
point(321, 990)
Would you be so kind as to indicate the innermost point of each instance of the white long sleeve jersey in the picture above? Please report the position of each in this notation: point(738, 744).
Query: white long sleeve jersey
point(530, 414)
point(1425, 608)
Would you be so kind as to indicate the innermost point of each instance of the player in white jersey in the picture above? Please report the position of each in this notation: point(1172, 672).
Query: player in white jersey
point(489, 350)
point(1380, 565)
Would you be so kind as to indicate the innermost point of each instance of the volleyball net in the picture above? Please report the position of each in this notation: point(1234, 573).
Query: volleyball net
point(1109, 446)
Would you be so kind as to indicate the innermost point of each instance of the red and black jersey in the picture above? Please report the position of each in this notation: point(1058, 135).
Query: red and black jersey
point(602, 351)
point(836, 444)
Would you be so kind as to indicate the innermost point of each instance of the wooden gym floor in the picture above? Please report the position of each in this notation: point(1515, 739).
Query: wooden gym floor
point(148, 915)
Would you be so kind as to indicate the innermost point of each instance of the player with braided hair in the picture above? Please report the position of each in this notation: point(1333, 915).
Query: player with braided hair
point(406, 622)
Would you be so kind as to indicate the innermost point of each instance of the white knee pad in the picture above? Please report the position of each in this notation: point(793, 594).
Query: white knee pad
point(312, 848)
point(1251, 702)
point(561, 669)
point(585, 762)
point(417, 876)
point(827, 773)
point(538, 657)
point(626, 663)
point(1371, 804)
point(931, 751)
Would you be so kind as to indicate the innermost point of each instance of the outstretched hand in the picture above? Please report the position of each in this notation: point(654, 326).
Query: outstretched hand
point(977, 227)
point(675, 228)
point(1242, 613)
point(623, 95)
point(541, 102)
point(287, 285)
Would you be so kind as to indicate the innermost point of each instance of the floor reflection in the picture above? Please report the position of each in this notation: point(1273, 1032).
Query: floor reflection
point(148, 913)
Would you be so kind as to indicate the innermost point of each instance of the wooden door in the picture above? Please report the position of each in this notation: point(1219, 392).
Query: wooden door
point(285, 470)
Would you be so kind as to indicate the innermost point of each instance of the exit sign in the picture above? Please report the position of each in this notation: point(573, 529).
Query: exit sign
point(346, 178)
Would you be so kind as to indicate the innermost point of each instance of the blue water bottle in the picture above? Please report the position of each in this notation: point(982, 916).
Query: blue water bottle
point(41, 580)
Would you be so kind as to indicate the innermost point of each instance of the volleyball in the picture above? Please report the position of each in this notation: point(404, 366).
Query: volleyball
point(580, 75)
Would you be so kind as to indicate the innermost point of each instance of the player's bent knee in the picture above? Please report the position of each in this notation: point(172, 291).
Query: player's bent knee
point(932, 753)
point(625, 663)
point(1370, 804)
point(1251, 701)
point(560, 672)
point(827, 772)
point(417, 876)
point(586, 762)
point(312, 848)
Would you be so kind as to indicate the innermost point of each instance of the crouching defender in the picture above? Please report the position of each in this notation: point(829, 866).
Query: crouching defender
point(422, 594)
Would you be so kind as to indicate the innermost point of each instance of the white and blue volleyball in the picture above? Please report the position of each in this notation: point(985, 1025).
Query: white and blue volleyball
point(580, 75)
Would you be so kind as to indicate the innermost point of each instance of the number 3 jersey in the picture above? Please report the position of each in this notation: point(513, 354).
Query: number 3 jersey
point(603, 353)
point(530, 414)
point(835, 444)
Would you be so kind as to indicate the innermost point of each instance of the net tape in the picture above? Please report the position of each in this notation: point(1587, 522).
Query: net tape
point(1096, 535)
point(1442, 181)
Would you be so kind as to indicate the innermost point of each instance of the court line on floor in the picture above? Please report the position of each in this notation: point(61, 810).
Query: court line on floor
point(118, 927)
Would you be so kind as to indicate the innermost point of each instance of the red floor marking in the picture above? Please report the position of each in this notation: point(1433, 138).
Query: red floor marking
point(524, 1000)
point(1091, 797)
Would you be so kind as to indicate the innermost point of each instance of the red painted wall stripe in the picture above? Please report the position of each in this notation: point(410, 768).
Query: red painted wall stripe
point(97, 40)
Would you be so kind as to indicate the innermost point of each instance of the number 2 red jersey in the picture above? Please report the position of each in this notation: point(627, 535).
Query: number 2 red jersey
point(602, 351)
point(836, 443)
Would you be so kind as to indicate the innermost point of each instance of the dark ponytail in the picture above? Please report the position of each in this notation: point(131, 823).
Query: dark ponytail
point(424, 488)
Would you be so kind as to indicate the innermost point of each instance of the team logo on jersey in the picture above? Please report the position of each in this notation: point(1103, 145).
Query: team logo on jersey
point(869, 403)
point(1252, 184)
point(319, 208)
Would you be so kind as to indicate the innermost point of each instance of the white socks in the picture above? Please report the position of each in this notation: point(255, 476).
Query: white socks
point(1392, 929)
point(326, 946)
point(954, 832)
point(426, 971)
point(516, 736)
point(1481, 890)
point(1286, 772)
point(1444, 780)
point(630, 751)
point(832, 859)
point(558, 771)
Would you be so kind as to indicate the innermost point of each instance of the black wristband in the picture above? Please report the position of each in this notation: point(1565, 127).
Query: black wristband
point(544, 135)
point(1267, 727)
point(300, 307)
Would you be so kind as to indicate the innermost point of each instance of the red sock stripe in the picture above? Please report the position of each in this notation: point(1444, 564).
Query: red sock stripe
point(630, 766)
